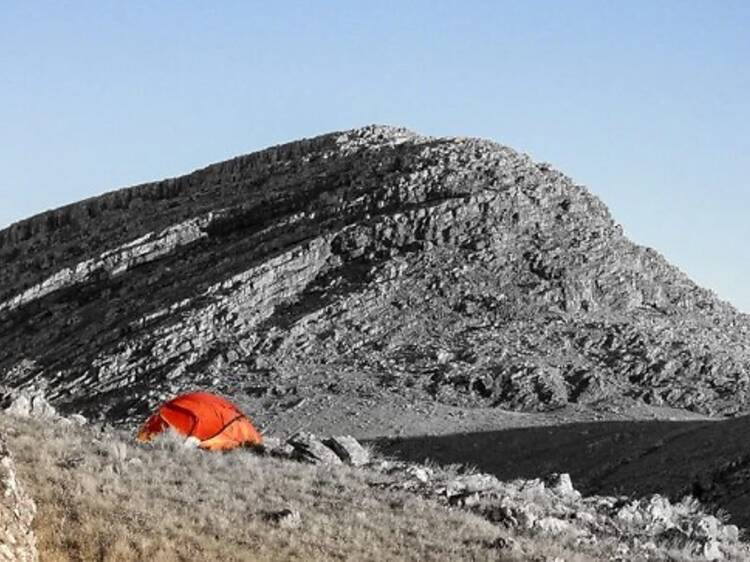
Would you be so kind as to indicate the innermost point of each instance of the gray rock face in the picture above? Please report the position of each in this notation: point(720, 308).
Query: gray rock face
point(369, 261)
point(32, 405)
point(17, 510)
point(562, 485)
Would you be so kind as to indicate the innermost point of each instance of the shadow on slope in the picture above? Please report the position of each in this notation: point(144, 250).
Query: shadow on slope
point(710, 460)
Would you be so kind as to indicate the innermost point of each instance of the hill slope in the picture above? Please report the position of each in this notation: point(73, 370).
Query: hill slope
point(369, 263)
point(101, 496)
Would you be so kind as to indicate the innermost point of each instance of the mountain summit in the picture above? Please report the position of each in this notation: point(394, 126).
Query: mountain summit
point(367, 263)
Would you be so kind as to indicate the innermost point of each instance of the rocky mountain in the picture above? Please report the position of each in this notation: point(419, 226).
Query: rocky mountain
point(372, 263)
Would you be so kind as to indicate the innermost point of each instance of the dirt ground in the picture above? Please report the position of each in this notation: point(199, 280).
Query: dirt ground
point(390, 415)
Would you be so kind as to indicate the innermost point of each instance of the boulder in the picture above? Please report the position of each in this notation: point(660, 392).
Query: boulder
point(308, 448)
point(471, 483)
point(562, 485)
point(275, 447)
point(711, 550)
point(77, 419)
point(707, 527)
point(31, 405)
point(419, 473)
point(553, 526)
point(348, 450)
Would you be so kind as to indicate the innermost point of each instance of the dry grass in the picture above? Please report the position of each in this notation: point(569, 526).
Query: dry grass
point(102, 496)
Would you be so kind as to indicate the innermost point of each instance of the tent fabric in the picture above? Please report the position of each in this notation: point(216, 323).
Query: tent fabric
point(214, 421)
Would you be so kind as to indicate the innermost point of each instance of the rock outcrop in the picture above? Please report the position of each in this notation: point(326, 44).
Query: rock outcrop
point(17, 510)
point(348, 449)
point(363, 262)
point(307, 447)
point(26, 404)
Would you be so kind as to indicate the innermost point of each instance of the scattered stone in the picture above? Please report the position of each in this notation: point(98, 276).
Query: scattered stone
point(270, 443)
point(638, 529)
point(730, 533)
point(514, 515)
point(419, 473)
point(500, 543)
point(20, 406)
point(707, 527)
point(552, 526)
point(78, 419)
point(471, 483)
point(444, 356)
point(562, 485)
point(275, 447)
point(711, 550)
point(348, 450)
point(470, 499)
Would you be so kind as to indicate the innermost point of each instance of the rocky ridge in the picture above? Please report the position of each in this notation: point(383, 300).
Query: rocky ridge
point(359, 263)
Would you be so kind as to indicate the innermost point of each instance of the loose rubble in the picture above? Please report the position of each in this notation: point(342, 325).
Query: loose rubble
point(641, 529)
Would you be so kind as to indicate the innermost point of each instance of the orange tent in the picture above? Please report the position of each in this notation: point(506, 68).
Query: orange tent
point(217, 423)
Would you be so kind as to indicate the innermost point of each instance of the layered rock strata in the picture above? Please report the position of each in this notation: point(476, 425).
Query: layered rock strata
point(368, 261)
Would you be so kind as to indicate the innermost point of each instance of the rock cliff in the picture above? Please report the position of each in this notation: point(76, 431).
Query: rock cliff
point(365, 262)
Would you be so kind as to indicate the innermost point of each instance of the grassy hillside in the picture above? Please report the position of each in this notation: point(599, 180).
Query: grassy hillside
point(100, 496)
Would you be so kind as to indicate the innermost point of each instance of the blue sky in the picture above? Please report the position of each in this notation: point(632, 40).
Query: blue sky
point(646, 103)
